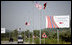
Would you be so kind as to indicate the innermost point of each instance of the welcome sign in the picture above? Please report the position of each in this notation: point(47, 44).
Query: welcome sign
point(57, 21)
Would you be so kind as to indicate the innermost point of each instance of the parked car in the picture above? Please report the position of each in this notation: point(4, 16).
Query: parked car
point(20, 39)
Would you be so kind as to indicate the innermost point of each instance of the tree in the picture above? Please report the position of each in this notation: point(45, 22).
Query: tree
point(36, 33)
point(27, 33)
point(15, 33)
point(66, 35)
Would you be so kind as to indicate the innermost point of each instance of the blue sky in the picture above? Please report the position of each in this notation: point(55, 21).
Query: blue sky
point(14, 14)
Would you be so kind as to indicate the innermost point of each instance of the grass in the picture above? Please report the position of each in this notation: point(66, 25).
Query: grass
point(51, 41)
point(37, 41)
point(30, 40)
point(26, 40)
point(5, 39)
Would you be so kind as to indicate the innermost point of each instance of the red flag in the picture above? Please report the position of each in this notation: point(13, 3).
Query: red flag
point(45, 5)
point(27, 23)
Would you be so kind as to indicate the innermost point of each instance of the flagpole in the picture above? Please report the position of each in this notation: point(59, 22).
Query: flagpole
point(40, 25)
point(28, 29)
point(44, 40)
point(40, 30)
point(57, 36)
point(29, 37)
point(24, 36)
point(44, 31)
point(42, 16)
point(33, 24)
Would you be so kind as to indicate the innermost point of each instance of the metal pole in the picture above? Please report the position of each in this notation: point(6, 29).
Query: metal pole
point(33, 39)
point(44, 40)
point(57, 36)
point(40, 30)
point(33, 24)
point(9, 35)
point(29, 37)
point(24, 36)
point(29, 31)
point(40, 36)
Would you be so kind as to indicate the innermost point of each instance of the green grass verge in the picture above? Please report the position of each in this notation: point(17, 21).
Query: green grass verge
point(37, 40)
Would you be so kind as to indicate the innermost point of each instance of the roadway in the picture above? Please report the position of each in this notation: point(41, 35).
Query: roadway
point(14, 42)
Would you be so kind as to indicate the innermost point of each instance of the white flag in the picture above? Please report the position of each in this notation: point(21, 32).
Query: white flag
point(38, 6)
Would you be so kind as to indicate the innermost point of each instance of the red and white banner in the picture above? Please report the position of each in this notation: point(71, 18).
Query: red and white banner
point(57, 22)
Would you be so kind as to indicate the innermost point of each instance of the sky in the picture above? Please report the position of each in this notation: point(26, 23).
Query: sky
point(14, 14)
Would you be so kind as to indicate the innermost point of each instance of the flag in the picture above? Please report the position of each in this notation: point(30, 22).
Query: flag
point(27, 23)
point(45, 5)
point(38, 6)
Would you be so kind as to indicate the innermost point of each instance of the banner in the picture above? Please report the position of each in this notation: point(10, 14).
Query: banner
point(57, 22)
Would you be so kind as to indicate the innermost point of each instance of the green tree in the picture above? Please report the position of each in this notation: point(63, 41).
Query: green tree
point(65, 35)
point(27, 33)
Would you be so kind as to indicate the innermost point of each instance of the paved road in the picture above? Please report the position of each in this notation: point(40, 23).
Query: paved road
point(15, 42)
